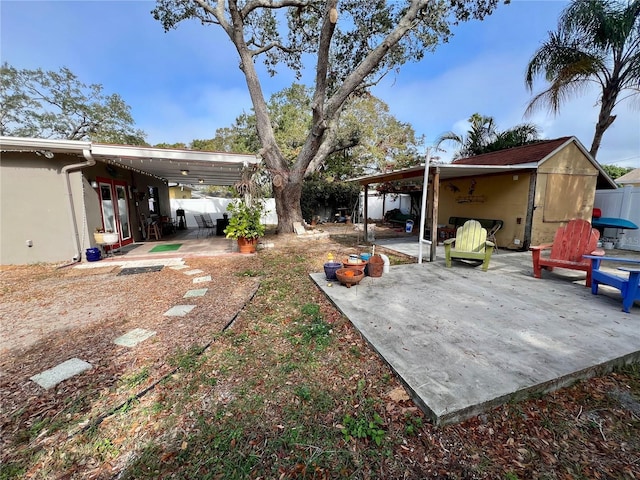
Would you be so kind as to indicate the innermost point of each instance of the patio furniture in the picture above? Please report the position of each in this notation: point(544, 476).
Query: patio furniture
point(491, 234)
point(150, 227)
point(202, 224)
point(208, 221)
point(629, 287)
point(470, 244)
point(569, 246)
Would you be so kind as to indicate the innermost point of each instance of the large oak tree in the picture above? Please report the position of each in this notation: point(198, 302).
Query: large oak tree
point(354, 44)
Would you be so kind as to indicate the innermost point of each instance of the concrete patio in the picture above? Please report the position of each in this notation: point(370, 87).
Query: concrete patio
point(464, 341)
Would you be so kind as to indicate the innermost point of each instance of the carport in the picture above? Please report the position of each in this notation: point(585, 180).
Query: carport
point(412, 179)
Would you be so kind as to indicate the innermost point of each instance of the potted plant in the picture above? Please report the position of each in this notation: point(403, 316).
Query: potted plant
point(245, 224)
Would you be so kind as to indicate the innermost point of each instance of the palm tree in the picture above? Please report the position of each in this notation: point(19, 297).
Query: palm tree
point(483, 136)
point(597, 41)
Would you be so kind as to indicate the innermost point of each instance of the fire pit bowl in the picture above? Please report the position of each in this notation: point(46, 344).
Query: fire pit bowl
point(349, 276)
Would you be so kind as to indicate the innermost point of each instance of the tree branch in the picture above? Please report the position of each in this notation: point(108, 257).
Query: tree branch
point(254, 5)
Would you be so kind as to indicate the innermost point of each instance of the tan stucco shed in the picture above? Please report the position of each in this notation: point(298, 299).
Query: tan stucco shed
point(532, 190)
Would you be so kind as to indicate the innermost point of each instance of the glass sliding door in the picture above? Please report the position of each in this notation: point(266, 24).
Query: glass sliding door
point(114, 203)
point(123, 212)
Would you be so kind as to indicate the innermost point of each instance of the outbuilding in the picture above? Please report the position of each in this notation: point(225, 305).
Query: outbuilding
point(531, 190)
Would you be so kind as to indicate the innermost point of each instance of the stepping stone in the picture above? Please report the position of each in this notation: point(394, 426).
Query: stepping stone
point(199, 292)
point(53, 376)
point(202, 279)
point(136, 270)
point(134, 337)
point(193, 272)
point(179, 310)
point(179, 267)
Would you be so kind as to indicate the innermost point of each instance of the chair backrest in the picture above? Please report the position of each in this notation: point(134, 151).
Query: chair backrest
point(471, 237)
point(575, 239)
point(208, 221)
point(199, 220)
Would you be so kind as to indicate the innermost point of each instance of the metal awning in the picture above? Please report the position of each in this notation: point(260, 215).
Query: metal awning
point(173, 165)
point(446, 171)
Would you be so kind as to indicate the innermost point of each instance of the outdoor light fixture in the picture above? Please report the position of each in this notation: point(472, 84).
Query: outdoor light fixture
point(94, 184)
point(46, 153)
point(201, 180)
point(184, 172)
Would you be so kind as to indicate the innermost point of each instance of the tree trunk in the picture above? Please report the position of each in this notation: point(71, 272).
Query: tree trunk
point(287, 194)
point(605, 119)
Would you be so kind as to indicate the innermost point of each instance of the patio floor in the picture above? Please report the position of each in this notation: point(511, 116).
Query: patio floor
point(464, 341)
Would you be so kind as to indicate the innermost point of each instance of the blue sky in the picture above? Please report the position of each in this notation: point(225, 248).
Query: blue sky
point(185, 84)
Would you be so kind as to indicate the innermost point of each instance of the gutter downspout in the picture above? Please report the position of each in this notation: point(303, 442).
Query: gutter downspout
point(90, 161)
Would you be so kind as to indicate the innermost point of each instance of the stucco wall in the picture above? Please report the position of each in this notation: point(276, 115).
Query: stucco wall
point(34, 206)
point(500, 197)
point(565, 189)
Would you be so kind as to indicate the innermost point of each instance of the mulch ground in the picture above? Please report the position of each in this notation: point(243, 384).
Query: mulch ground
point(103, 306)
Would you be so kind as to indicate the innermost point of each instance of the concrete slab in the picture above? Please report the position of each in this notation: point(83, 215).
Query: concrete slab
point(464, 341)
point(179, 267)
point(199, 292)
point(134, 337)
point(205, 279)
point(179, 310)
point(53, 376)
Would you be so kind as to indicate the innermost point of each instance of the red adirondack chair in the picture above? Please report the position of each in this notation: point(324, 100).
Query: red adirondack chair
point(570, 243)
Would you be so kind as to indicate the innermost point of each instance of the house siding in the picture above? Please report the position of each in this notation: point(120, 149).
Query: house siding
point(500, 197)
point(565, 189)
point(34, 206)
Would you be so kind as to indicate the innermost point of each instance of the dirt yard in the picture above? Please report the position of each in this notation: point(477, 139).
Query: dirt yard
point(50, 315)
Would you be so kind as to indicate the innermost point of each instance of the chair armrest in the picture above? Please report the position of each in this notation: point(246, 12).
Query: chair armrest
point(489, 244)
point(544, 246)
point(598, 252)
point(449, 241)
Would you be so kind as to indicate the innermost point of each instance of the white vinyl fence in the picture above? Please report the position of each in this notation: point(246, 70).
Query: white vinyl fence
point(400, 201)
point(215, 207)
point(621, 203)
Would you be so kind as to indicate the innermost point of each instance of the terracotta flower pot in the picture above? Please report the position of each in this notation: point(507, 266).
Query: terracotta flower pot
point(247, 245)
point(376, 266)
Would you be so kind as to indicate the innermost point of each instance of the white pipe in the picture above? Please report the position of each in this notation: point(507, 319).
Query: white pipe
point(90, 161)
point(423, 209)
point(385, 259)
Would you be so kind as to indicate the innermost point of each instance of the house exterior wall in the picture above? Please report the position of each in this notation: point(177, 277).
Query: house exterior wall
point(565, 189)
point(499, 197)
point(179, 192)
point(34, 206)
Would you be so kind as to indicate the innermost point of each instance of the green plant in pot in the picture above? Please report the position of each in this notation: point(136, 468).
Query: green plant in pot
point(245, 224)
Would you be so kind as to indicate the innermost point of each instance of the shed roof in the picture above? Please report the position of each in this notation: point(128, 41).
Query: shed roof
point(526, 157)
point(532, 153)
